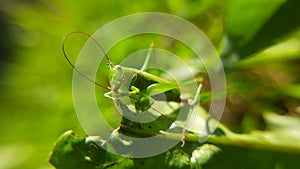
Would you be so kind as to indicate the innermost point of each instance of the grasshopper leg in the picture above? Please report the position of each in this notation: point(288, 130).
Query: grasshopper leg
point(193, 103)
point(183, 137)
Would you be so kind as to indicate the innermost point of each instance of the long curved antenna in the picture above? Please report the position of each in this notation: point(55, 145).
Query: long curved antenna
point(109, 63)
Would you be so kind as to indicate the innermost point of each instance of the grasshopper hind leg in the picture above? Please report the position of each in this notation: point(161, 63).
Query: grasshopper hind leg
point(192, 104)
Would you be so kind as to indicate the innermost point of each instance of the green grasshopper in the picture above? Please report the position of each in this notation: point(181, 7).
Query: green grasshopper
point(135, 91)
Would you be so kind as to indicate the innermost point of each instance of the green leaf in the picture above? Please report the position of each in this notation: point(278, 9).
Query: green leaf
point(71, 152)
point(237, 158)
point(282, 129)
point(281, 122)
point(201, 155)
point(254, 25)
point(156, 162)
point(291, 90)
point(178, 159)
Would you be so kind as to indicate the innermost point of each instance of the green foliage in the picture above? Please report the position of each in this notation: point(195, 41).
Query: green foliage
point(236, 158)
point(72, 151)
point(251, 27)
point(277, 147)
point(204, 155)
point(178, 159)
point(36, 102)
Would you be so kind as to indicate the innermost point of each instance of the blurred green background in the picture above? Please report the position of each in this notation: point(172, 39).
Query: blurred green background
point(36, 93)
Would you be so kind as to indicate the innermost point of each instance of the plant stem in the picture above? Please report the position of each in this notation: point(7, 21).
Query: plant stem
point(249, 141)
point(230, 139)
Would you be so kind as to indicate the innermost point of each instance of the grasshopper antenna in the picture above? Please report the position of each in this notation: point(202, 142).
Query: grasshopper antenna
point(109, 63)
